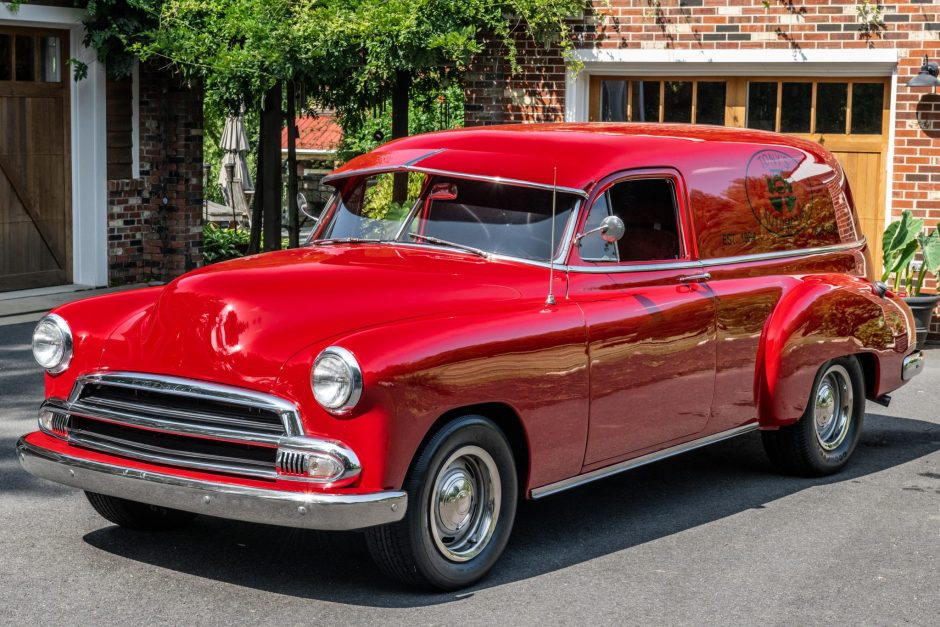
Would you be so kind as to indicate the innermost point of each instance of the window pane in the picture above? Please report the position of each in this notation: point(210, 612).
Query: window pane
point(867, 106)
point(25, 56)
point(762, 106)
point(796, 107)
point(710, 103)
point(677, 101)
point(6, 58)
point(613, 101)
point(648, 210)
point(646, 101)
point(51, 60)
point(831, 102)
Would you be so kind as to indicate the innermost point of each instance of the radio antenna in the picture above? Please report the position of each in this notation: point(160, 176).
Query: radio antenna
point(551, 254)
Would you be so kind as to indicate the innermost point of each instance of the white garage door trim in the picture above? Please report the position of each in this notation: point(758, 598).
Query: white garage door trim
point(89, 150)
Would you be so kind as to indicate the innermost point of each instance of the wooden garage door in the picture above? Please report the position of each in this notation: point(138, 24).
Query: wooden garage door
point(35, 184)
point(849, 116)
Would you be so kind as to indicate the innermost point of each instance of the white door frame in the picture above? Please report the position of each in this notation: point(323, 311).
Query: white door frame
point(89, 141)
point(743, 62)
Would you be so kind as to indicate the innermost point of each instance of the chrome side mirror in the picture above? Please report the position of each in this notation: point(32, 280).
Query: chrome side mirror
point(611, 229)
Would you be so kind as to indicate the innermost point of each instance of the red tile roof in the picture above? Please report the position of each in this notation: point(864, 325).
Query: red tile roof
point(315, 134)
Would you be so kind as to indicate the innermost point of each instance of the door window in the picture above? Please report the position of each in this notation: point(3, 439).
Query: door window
point(649, 212)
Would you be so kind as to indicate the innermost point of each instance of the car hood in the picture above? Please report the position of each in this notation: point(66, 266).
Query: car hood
point(240, 321)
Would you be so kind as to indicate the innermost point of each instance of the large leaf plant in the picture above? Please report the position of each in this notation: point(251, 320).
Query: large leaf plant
point(902, 240)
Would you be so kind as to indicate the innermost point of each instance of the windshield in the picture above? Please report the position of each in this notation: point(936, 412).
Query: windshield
point(417, 208)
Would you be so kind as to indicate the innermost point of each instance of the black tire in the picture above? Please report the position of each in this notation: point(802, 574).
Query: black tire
point(139, 516)
point(417, 550)
point(807, 447)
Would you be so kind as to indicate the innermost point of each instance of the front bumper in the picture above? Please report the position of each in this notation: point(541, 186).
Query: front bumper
point(273, 507)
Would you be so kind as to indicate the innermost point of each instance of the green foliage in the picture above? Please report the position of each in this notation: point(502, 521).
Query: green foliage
point(346, 54)
point(901, 242)
point(113, 28)
point(870, 17)
point(435, 111)
point(378, 203)
point(219, 244)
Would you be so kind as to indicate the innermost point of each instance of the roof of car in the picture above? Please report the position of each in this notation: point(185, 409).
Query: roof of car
point(579, 154)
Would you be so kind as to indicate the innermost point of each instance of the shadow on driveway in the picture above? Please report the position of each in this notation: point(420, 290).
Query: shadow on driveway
point(551, 534)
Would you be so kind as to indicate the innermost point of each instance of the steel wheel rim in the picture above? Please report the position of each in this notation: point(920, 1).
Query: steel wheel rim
point(465, 503)
point(832, 407)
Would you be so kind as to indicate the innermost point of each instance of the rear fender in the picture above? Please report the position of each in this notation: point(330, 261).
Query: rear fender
point(823, 317)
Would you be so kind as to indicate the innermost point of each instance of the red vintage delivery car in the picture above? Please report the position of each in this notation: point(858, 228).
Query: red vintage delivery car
point(483, 315)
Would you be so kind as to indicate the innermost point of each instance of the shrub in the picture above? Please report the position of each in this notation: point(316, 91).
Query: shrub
point(219, 244)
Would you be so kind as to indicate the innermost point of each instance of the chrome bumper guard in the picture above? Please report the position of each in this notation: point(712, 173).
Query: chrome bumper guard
point(912, 365)
point(259, 505)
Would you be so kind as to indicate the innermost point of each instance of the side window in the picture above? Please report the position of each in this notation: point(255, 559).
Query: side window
point(649, 212)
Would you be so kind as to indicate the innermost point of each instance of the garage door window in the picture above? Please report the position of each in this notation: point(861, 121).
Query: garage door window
point(688, 101)
point(821, 107)
point(30, 58)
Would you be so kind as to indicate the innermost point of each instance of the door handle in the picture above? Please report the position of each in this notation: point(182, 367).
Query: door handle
point(689, 278)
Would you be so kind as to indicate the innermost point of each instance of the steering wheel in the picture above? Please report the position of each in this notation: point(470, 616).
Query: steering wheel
point(474, 218)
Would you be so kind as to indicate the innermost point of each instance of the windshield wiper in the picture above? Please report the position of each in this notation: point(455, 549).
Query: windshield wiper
point(346, 240)
point(444, 242)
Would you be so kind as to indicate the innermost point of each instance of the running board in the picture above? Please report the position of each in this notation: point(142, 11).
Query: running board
point(636, 462)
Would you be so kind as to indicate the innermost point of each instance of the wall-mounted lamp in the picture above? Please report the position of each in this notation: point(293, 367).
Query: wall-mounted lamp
point(927, 77)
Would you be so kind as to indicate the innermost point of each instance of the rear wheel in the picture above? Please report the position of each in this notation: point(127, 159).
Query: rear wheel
point(140, 516)
point(462, 493)
point(823, 439)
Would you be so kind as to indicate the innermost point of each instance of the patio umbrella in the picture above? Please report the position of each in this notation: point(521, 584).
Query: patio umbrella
point(235, 144)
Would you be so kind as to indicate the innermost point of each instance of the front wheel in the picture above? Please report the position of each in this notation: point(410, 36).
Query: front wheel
point(822, 440)
point(462, 493)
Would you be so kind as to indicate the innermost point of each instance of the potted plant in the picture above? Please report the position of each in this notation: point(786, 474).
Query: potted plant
point(903, 239)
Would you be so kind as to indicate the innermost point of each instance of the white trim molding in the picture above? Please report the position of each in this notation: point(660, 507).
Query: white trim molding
point(89, 141)
point(646, 62)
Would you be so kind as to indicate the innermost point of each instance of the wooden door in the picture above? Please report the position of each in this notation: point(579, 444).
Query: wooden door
point(849, 116)
point(35, 181)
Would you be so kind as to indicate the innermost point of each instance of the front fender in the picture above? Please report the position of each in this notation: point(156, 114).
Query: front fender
point(93, 321)
point(823, 317)
point(528, 358)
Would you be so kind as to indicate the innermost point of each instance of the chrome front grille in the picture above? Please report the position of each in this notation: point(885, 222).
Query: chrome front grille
point(179, 422)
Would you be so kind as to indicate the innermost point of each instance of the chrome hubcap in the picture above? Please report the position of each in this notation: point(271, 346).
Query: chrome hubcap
point(833, 405)
point(465, 503)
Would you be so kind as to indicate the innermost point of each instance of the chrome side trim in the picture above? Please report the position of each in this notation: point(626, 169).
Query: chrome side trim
point(190, 388)
point(643, 460)
point(912, 365)
point(683, 264)
point(412, 166)
point(783, 254)
point(304, 510)
point(717, 261)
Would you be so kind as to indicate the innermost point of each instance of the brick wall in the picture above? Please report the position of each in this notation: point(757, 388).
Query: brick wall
point(155, 221)
point(536, 93)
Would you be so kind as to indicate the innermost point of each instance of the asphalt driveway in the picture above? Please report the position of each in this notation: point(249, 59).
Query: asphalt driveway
point(713, 537)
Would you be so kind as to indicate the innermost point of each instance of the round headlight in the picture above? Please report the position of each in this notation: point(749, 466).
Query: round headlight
point(52, 344)
point(336, 380)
